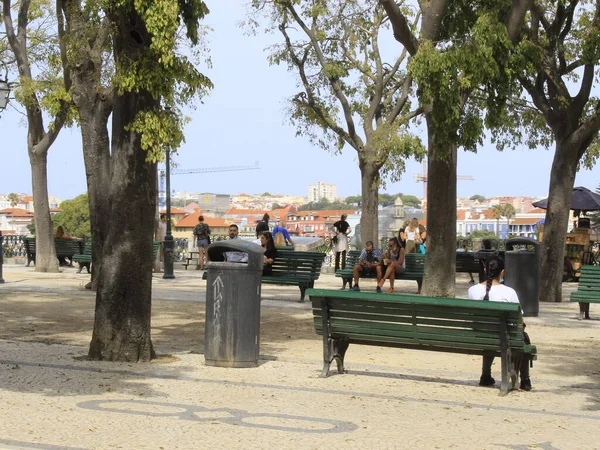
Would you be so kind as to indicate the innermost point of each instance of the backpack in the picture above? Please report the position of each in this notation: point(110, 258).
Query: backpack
point(279, 240)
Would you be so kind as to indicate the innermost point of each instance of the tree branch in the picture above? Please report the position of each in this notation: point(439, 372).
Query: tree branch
point(515, 17)
point(310, 101)
point(334, 82)
point(400, 26)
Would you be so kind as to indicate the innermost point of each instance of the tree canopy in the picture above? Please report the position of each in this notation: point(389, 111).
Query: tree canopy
point(74, 216)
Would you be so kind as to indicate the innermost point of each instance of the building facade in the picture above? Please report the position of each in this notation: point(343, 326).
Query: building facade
point(322, 190)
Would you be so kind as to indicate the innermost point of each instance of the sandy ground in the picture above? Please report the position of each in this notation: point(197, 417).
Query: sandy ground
point(389, 398)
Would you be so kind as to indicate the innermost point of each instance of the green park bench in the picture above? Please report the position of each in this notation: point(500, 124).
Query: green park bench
point(473, 327)
point(65, 248)
point(85, 258)
point(414, 268)
point(588, 290)
point(467, 262)
point(300, 269)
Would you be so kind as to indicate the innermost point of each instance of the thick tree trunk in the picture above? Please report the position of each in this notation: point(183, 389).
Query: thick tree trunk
point(123, 297)
point(96, 152)
point(562, 180)
point(370, 202)
point(439, 279)
point(45, 258)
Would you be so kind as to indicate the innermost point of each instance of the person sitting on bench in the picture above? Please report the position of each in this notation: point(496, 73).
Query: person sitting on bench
point(493, 290)
point(369, 262)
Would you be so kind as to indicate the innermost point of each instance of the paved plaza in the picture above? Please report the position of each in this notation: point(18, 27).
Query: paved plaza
point(53, 398)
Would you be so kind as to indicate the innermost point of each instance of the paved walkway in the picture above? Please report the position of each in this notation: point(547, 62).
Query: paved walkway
point(54, 399)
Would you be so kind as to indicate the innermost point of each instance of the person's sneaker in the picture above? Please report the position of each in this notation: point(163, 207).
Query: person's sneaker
point(486, 380)
point(526, 384)
point(472, 282)
point(355, 288)
point(378, 290)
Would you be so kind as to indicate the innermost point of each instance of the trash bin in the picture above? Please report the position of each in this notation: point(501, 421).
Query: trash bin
point(232, 325)
point(522, 272)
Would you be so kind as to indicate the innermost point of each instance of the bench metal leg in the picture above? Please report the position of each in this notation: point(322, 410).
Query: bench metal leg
point(340, 345)
point(327, 344)
point(419, 286)
point(346, 281)
point(504, 358)
point(302, 293)
point(584, 311)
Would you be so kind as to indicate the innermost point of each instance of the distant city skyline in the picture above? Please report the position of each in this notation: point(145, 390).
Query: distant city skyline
point(243, 120)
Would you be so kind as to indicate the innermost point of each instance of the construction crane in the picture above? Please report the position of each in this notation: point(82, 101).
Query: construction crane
point(161, 175)
point(422, 177)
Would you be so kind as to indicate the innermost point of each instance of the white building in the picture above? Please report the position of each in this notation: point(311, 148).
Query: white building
point(317, 191)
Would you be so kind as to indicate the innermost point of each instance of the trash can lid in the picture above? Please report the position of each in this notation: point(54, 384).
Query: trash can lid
point(511, 243)
point(255, 252)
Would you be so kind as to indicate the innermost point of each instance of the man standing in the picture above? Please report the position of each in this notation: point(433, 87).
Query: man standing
point(369, 262)
point(235, 257)
point(161, 232)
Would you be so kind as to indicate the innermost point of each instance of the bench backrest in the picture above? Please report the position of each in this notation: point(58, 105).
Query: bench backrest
point(298, 263)
point(434, 323)
point(414, 262)
point(467, 262)
point(589, 279)
point(63, 247)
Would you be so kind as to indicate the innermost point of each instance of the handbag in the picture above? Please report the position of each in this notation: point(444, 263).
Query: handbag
point(335, 239)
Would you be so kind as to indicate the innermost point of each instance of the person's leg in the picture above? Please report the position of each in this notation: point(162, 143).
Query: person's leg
point(356, 274)
point(386, 275)
point(200, 258)
point(524, 368)
point(337, 261)
point(472, 281)
point(343, 259)
point(379, 275)
point(486, 371)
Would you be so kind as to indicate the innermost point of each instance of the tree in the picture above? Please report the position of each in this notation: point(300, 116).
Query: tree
point(477, 197)
point(14, 199)
point(508, 211)
point(46, 93)
point(411, 200)
point(138, 45)
point(498, 212)
point(350, 94)
point(74, 216)
point(459, 49)
point(354, 199)
point(556, 62)
point(482, 234)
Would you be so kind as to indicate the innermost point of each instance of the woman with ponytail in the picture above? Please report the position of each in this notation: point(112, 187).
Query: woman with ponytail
point(493, 290)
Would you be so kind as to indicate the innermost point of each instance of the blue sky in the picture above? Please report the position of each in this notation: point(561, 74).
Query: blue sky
point(243, 121)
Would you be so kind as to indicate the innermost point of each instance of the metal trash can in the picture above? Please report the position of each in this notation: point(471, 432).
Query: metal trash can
point(522, 272)
point(232, 324)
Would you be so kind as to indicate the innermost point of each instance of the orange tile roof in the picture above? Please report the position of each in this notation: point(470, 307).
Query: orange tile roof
point(174, 211)
point(461, 214)
point(258, 212)
point(325, 212)
point(525, 221)
point(191, 220)
point(16, 212)
point(537, 211)
point(27, 199)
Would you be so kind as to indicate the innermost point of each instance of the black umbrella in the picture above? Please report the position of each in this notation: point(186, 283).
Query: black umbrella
point(582, 200)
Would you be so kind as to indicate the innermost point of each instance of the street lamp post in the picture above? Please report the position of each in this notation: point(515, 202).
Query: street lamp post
point(169, 244)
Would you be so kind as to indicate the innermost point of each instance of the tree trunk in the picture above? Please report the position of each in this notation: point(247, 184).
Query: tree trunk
point(45, 257)
point(562, 180)
point(124, 290)
point(96, 154)
point(370, 202)
point(439, 278)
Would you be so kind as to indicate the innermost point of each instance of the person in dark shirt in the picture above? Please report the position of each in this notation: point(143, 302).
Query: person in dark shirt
point(270, 252)
point(340, 240)
point(263, 225)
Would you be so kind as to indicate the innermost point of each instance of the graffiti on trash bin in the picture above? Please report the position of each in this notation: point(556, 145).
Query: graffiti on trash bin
point(281, 422)
point(218, 300)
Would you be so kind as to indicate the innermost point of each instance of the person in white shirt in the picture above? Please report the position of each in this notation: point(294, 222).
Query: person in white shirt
point(493, 290)
point(235, 257)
